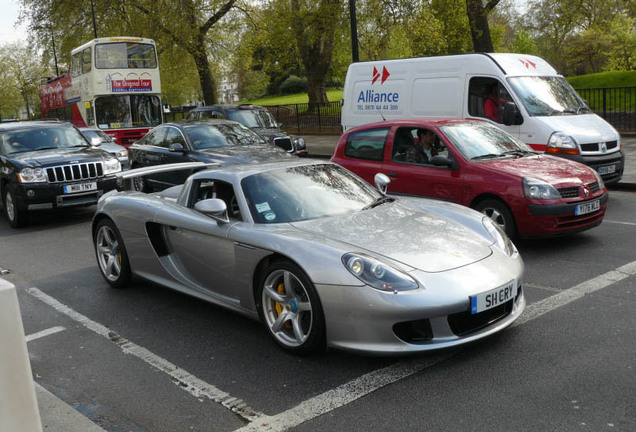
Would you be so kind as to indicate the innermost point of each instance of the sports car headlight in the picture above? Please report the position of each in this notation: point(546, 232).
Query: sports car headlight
point(538, 189)
point(560, 143)
point(377, 274)
point(112, 166)
point(32, 175)
point(502, 241)
point(299, 143)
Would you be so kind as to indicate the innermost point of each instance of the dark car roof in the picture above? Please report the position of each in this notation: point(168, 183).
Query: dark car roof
point(229, 107)
point(31, 124)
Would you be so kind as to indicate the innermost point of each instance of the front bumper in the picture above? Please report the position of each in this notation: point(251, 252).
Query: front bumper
point(601, 163)
point(363, 319)
point(40, 196)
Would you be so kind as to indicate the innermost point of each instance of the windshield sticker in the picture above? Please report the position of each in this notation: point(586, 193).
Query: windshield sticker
point(270, 216)
point(263, 207)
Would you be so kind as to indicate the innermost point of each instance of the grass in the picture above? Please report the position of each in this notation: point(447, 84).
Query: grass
point(332, 95)
point(604, 79)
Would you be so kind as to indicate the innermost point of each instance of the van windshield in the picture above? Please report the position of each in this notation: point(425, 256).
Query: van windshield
point(548, 96)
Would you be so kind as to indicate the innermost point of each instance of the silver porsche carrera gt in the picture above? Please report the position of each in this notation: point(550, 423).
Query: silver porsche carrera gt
point(318, 255)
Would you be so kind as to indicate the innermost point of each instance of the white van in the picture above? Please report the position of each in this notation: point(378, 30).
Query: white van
point(520, 93)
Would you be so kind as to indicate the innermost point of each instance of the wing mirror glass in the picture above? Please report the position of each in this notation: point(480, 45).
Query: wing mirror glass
point(214, 208)
point(512, 116)
point(176, 147)
point(96, 141)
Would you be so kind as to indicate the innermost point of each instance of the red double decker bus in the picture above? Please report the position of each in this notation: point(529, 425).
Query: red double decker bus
point(113, 84)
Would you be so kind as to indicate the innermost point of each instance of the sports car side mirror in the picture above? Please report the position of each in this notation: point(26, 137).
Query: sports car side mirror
point(381, 182)
point(213, 207)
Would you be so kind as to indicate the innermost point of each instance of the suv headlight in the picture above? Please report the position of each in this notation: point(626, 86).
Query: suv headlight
point(377, 274)
point(112, 166)
point(538, 189)
point(32, 175)
point(501, 240)
point(560, 143)
point(299, 143)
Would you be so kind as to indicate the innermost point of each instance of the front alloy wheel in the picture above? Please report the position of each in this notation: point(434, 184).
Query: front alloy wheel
point(111, 254)
point(15, 216)
point(291, 310)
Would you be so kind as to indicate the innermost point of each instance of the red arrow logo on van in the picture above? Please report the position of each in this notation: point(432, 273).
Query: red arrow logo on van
point(376, 75)
point(385, 74)
point(528, 64)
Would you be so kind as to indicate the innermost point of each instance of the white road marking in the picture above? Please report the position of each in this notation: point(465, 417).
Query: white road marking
point(548, 304)
point(44, 333)
point(348, 392)
point(618, 222)
point(188, 382)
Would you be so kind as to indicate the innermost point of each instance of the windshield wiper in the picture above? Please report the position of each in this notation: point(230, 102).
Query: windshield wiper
point(45, 148)
point(518, 152)
point(486, 156)
point(381, 200)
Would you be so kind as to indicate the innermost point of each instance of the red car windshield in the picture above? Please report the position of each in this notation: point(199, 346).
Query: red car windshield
point(483, 140)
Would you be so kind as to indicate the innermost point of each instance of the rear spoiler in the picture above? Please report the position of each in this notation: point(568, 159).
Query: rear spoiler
point(125, 178)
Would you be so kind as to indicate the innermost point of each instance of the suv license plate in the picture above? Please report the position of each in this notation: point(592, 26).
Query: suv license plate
point(609, 169)
point(587, 207)
point(493, 298)
point(80, 187)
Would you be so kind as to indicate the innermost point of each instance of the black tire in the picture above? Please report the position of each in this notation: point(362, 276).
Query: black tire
point(290, 308)
point(500, 214)
point(110, 251)
point(17, 218)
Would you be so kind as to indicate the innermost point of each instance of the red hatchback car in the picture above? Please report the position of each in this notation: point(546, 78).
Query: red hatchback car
point(476, 164)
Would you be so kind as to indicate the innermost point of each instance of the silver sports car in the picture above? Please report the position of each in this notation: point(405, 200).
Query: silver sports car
point(318, 255)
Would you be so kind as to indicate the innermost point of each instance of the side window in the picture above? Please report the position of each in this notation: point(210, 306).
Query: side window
point(417, 146)
point(174, 136)
point(207, 189)
point(486, 98)
point(368, 144)
point(76, 67)
point(155, 138)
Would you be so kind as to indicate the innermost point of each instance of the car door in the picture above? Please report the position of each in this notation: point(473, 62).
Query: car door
point(148, 150)
point(364, 152)
point(421, 177)
point(201, 251)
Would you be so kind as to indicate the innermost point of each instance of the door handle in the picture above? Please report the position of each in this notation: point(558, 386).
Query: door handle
point(392, 174)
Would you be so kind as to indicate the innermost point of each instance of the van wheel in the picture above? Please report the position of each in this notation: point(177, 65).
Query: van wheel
point(500, 214)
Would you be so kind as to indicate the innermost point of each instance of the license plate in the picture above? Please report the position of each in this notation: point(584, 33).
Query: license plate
point(587, 207)
point(609, 169)
point(80, 187)
point(493, 298)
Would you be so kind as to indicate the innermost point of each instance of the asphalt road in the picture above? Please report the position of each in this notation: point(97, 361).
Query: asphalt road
point(146, 359)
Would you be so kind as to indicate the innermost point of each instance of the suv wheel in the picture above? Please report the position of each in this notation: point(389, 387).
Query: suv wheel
point(15, 216)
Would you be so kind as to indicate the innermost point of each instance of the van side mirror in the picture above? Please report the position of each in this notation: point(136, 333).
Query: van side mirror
point(512, 116)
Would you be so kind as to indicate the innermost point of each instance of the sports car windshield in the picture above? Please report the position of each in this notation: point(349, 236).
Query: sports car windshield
point(305, 192)
point(32, 139)
point(484, 141)
point(548, 96)
point(204, 136)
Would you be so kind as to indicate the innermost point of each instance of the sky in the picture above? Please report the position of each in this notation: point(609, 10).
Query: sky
point(8, 18)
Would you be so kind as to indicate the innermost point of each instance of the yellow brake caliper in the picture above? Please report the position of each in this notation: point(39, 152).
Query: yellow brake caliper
point(279, 307)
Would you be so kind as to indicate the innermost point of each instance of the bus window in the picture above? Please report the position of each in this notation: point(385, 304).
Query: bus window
point(116, 112)
point(125, 55)
point(77, 64)
point(141, 56)
point(86, 60)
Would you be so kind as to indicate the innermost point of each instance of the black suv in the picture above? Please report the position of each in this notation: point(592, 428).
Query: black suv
point(257, 118)
point(49, 164)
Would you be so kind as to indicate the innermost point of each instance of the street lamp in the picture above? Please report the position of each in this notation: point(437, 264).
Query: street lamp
point(354, 31)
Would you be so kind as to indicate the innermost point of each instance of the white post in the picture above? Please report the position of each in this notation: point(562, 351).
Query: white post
point(18, 405)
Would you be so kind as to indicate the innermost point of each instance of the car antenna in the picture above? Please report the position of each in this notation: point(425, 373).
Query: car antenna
point(381, 115)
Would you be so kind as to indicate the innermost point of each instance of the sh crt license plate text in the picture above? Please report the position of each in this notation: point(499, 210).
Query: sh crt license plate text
point(492, 298)
point(81, 187)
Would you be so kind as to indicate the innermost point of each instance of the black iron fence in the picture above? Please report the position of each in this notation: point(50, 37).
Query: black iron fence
point(617, 105)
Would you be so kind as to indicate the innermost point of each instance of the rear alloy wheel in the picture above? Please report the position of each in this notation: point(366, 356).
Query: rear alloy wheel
point(111, 254)
point(500, 214)
point(291, 309)
point(15, 216)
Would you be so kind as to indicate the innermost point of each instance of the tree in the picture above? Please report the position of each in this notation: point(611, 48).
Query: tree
point(20, 75)
point(314, 25)
point(478, 20)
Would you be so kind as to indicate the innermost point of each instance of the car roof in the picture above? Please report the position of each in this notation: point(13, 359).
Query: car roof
point(229, 107)
point(32, 124)
point(240, 171)
point(417, 121)
point(186, 123)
